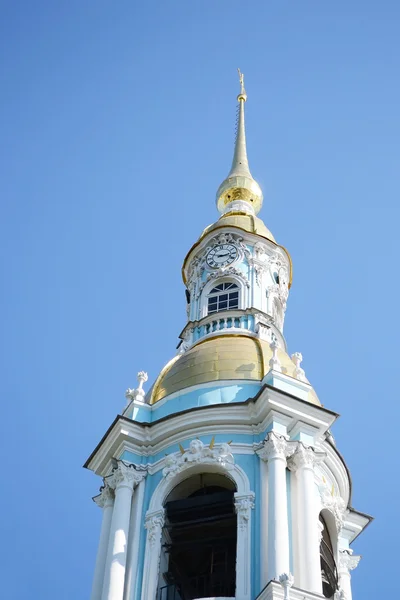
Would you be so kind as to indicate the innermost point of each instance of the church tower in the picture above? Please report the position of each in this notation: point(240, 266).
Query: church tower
point(223, 480)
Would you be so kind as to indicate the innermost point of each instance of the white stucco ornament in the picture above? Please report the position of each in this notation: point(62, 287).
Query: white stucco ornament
point(286, 580)
point(299, 373)
point(138, 393)
point(198, 453)
point(335, 504)
point(274, 362)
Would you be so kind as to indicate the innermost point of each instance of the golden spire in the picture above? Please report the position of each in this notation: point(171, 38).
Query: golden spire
point(239, 191)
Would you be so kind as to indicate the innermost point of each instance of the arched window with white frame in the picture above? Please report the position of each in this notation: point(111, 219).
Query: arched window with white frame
point(224, 296)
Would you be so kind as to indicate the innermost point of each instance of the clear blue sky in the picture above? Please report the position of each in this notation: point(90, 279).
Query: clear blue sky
point(117, 126)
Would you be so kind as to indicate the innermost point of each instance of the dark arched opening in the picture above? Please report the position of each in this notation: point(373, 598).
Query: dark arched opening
point(328, 564)
point(199, 541)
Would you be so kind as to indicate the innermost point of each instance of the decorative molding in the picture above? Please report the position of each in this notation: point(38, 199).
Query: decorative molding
point(125, 475)
point(106, 496)
point(224, 272)
point(304, 456)
point(198, 453)
point(243, 506)
point(335, 504)
point(347, 560)
point(154, 523)
point(274, 446)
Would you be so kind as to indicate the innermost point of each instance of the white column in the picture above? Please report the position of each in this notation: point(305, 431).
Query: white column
point(123, 480)
point(263, 521)
point(134, 541)
point(244, 503)
point(347, 562)
point(274, 451)
point(154, 524)
point(106, 501)
point(308, 552)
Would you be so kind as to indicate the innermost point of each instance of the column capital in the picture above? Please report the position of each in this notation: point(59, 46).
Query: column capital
point(125, 475)
point(105, 498)
point(347, 560)
point(243, 505)
point(274, 446)
point(304, 456)
point(154, 523)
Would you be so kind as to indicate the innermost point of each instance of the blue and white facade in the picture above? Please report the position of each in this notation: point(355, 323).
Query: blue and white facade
point(235, 410)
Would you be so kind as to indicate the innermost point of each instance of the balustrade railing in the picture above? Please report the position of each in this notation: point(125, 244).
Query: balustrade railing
point(223, 321)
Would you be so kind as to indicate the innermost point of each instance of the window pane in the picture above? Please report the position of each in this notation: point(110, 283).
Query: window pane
point(219, 287)
point(223, 304)
point(234, 295)
point(233, 303)
point(223, 297)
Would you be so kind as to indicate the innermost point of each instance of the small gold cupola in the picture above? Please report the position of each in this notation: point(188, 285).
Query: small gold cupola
point(239, 191)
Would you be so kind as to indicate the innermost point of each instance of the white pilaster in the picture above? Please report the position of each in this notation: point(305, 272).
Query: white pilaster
point(347, 562)
point(123, 480)
point(134, 540)
point(277, 536)
point(154, 525)
point(244, 503)
point(302, 464)
point(263, 521)
point(106, 501)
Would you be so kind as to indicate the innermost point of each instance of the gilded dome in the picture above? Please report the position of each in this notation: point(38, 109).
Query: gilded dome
point(244, 221)
point(220, 358)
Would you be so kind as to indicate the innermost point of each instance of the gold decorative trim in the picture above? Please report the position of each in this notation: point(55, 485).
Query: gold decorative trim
point(163, 372)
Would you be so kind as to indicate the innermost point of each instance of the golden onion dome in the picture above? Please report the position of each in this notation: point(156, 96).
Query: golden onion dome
point(221, 358)
point(244, 221)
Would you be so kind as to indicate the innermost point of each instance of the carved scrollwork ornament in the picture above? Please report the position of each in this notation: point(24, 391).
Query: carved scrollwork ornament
point(224, 272)
point(198, 453)
point(125, 476)
point(106, 496)
point(243, 508)
point(275, 446)
point(334, 503)
point(347, 560)
point(304, 456)
point(154, 524)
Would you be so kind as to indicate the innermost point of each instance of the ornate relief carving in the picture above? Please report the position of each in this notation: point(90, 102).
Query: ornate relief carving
point(187, 341)
point(243, 507)
point(125, 476)
point(275, 446)
point(304, 456)
point(106, 496)
point(198, 453)
point(335, 504)
point(347, 560)
point(224, 272)
point(154, 523)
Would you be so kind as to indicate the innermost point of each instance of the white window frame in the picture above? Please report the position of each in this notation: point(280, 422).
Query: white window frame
point(243, 545)
point(243, 293)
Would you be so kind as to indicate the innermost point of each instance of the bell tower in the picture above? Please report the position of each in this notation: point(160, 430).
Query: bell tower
point(222, 480)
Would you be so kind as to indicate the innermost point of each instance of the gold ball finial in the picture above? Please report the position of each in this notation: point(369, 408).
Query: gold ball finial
point(242, 95)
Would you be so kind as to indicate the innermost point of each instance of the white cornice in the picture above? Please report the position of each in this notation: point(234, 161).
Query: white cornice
point(249, 418)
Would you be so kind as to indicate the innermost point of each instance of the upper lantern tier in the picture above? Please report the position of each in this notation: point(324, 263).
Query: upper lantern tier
point(239, 190)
